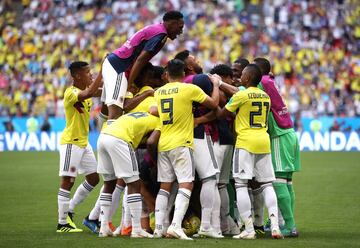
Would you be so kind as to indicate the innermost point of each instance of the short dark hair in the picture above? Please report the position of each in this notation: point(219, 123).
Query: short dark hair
point(158, 71)
point(183, 55)
point(172, 15)
point(255, 74)
point(264, 65)
point(76, 66)
point(243, 62)
point(148, 67)
point(175, 68)
point(222, 70)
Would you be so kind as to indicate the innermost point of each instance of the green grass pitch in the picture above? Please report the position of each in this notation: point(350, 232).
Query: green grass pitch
point(327, 213)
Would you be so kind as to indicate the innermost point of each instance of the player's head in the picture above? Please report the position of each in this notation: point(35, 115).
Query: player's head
point(264, 65)
point(175, 70)
point(238, 66)
point(192, 65)
point(174, 23)
point(80, 72)
point(144, 76)
point(251, 75)
point(224, 71)
point(158, 76)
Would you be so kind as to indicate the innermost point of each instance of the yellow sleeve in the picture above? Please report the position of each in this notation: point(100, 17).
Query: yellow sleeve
point(129, 95)
point(71, 96)
point(235, 102)
point(197, 94)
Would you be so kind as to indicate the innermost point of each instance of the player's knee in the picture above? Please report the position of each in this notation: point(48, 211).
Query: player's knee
point(186, 185)
point(93, 179)
point(241, 183)
point(67, 182)
point(134, 187)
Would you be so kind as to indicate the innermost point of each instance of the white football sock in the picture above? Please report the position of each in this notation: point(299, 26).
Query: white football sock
point(115, 199)
point(125, 215)
point(181, 205)
point(207, 197)
point(134, 202)
point(95, 212)
point(215, 215)
point(258, 204)
point(224, 207)
point(244, 206)
point(161, 204)
point(63, 205)
point(271, 204)
point(105, 207)
point(80, 194)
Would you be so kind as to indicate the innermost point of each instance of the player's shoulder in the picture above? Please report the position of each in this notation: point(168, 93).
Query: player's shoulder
point(70, 91)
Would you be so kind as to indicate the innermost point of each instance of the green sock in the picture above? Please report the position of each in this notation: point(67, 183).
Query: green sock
point(231, 193)
point(292, 195)
point(284, 203)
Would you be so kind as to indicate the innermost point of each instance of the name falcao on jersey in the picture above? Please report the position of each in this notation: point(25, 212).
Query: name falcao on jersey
point(168, 91)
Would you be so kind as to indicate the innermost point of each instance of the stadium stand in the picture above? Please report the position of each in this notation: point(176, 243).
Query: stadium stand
point(314, 46)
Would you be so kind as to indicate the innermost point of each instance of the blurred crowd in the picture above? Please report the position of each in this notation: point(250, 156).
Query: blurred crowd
point(314, 46)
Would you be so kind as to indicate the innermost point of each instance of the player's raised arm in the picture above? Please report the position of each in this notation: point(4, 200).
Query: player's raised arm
point(139, 63)
point(83, 79)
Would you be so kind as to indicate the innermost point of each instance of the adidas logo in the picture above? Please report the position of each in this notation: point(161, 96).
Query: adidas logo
point(242, 171)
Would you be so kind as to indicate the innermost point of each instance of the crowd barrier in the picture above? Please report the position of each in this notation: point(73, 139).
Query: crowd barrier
point(50, 141)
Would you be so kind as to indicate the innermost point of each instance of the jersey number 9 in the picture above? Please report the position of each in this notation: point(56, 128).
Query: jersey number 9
point(167, 107)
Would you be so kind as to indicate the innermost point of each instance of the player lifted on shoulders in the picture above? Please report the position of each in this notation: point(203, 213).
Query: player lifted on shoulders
point(252, 156)
point(122, 67)
point(76, 154)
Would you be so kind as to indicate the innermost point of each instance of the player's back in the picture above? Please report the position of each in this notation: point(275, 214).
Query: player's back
point(174, 101)
point(132, 127)
point(251, 120)
point(77, 115)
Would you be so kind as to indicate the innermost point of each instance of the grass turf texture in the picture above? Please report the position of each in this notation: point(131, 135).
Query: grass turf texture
point(327, 213)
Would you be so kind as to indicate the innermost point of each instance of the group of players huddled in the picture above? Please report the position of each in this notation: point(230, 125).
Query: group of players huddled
point(172, 140)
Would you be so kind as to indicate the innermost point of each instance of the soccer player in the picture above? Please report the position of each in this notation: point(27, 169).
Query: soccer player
point(223, 148)
point(175, 101)
point(284, 149)
point(252, 156)
point(76, 154)
point(204, 157)
point(122, 67)
point(116, 147)
point(237, 67)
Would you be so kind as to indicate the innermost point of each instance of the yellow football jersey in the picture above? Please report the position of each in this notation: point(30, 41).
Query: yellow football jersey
point(77, 116)
point(132, 127)
point(174, 101)
point(252, 106)
point(146, 103)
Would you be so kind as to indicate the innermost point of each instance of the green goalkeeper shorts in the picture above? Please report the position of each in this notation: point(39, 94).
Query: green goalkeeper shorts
point(285, 153)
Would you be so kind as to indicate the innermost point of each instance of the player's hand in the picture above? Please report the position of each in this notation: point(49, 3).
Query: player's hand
point(215, 79)
point(196, 122)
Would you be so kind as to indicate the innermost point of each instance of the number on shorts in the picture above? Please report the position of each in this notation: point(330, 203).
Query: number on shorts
point(259, 113)
point(167, 107)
